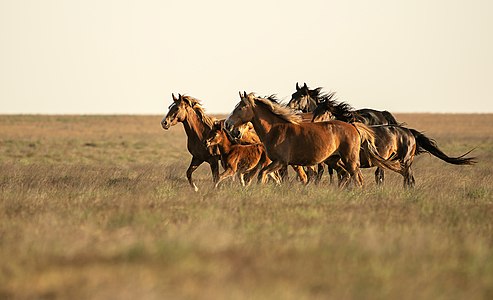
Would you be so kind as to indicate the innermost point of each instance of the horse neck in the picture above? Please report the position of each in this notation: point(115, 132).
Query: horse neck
point(225, 144)
point(194, 127)
point(263, 120)
point(312, 104)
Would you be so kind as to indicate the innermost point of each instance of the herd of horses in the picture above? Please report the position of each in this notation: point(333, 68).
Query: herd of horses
point(262, 136)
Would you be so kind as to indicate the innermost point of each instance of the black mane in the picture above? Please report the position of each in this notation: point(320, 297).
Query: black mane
point(272, 98)
point(328, 102)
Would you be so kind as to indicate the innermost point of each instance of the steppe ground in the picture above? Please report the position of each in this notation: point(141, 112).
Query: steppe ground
point(98, 207)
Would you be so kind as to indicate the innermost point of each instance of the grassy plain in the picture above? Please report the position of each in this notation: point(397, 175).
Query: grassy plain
point(98, 207)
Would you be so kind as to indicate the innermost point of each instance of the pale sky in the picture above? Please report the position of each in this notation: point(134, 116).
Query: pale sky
point(122, 56)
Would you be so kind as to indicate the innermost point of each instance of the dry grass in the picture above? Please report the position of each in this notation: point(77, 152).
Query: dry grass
point(98, 207)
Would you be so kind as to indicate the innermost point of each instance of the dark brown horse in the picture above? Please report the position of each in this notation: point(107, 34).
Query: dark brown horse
point(243, 160)
point(307, 100)
point(393, 142)
point(290, 142)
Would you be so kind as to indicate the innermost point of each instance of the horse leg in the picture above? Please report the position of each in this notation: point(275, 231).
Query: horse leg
point(283, 173)
point(214, 163)
point(241, 176)
point(194, 164)
point(342, 178)
point(276, 177)
point(332, 164)
point(272, 167)
point(320, 172)
point(249, 175)
point(301, 174)
point(227, 173)
point(351, 165)
point(310, 170)
point(331, 173)
point(357, 177)
point(379, 176)
point(408, 177)
point(335, 164)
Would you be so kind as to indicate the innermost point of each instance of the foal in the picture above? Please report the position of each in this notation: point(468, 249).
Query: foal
point(243, 160)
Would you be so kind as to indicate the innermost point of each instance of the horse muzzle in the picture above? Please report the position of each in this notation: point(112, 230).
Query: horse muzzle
point(235, 133)
point(165, 125)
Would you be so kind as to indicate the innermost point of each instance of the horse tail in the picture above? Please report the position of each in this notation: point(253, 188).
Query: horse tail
point(425, 144)
point(367, 136)
point(390, 118)
point(366, 133)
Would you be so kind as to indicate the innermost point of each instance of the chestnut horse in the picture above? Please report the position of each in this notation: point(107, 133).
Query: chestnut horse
point(393, 142)
point(290, 142)
point(243, 160)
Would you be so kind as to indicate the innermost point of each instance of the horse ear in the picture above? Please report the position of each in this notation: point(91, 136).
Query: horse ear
point(245, 94)
point(174, 98)
point(241, 96)
point(305, 86)
point(297, 86)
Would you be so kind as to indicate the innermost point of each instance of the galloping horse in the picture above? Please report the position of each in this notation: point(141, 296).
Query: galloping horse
point(290, 142)
point(313, 100)
point(197, 124)
point(393, 142)
point(307, 100)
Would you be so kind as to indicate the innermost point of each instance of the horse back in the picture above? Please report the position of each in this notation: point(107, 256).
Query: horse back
point(245, 157)
point(370, 116)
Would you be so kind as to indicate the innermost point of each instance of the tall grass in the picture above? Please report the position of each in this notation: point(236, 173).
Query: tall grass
point(100, 209)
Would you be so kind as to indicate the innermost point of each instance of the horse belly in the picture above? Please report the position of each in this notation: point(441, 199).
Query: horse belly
point(303, 148)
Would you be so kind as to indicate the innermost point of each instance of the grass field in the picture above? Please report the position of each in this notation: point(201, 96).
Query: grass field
point(98, 207)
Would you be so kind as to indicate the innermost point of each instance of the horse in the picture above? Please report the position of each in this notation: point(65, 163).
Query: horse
point(315, 100)
point(283, 172)
point(396, 143)
point(243, 160)
point(197, 124)
point(290, 142)
point(307, 100)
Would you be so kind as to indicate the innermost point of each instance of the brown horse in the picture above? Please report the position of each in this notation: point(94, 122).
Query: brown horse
point(197, 124)
point(243, 160)
point(399, 145)
point(290, 142)
point(328, 108)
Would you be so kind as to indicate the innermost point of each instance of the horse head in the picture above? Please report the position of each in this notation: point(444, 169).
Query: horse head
point(177, 111)
point(302, 99)
point(242, 113)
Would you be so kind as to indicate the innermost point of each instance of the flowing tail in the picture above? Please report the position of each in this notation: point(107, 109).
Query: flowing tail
point(368, 144)
point(425, 144)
